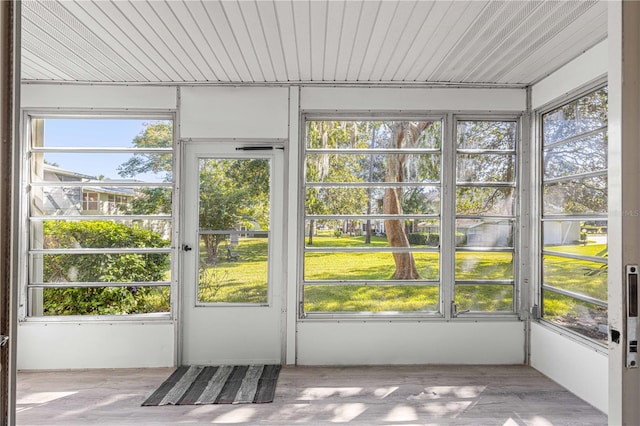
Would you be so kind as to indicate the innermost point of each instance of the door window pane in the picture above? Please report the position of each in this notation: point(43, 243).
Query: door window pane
point(234, 216)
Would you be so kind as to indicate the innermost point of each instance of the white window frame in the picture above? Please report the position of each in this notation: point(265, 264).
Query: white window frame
point(447, 247)
point(25, 245)
point(537, 147)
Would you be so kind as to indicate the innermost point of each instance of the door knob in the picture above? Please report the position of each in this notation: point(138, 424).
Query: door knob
point(186, 247)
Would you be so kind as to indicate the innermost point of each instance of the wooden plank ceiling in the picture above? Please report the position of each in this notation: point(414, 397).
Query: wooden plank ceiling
point(513, 43)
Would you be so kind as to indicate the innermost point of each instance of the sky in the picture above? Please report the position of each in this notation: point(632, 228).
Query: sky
point(91, 133)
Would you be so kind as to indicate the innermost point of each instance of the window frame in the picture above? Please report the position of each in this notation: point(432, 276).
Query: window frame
point(514, 218)
point(447, 185)
point(537, 229)
point(26, 149)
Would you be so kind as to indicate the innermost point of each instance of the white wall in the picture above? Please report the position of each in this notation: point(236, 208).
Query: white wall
point(577, 367)
point(452, 99)
point(234, 112)
point(373, 342)
point(64, 96)
point(95, 345)
point(587, 67)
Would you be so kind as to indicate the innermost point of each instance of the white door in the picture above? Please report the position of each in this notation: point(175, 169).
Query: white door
point(232, 275)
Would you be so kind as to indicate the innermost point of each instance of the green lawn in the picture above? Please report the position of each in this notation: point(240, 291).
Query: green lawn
point(244, 281)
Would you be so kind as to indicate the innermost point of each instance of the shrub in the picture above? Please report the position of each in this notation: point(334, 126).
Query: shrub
point(433, 239)
point(417, 238)
point(127, 267)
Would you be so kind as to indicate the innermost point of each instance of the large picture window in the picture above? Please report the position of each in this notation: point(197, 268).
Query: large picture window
point(376, 235)
point(372, 216)
point(100, 216)
point(574, 215)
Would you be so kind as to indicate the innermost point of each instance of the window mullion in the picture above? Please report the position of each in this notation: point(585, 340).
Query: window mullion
point(447, 236)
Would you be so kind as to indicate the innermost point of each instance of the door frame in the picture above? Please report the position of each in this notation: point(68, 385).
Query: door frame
point(276, 297)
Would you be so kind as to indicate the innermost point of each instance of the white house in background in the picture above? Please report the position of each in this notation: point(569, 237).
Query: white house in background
point(100, 199)
point(561, 232)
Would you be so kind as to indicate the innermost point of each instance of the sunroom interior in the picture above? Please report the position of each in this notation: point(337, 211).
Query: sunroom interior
point(328, 183)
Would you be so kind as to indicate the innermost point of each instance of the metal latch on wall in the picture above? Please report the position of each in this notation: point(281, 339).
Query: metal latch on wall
point(632, 315)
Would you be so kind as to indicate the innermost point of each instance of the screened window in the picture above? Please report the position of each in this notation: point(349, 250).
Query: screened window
point(485, 211)
point(372, 216)
point(100, 216)
point(574, 215)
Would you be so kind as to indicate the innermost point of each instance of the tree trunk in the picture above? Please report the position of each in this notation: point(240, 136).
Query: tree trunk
point(392, 200)
point(211, 243)
point(405, 263)
point(312, 225)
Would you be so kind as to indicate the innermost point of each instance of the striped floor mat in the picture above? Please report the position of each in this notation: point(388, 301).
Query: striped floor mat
point(226, 384)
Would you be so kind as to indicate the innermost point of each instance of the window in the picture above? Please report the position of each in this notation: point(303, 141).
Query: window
point(376, 239)
point(100, 216)
point(486, 206)
point(90, 201)
point(372, 216)
point(574, 215)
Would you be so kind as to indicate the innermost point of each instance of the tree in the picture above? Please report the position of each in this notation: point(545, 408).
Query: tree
point(374, 167)
point(333, 168)
point(404, 135)
point(233, 193)
point(153, 200)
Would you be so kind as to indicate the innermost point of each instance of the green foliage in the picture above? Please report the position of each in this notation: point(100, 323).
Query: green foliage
point(433, 238)
point(154, 200)
point(232, 193)
point(155, 135)
point(128, 267)
point(418, 238)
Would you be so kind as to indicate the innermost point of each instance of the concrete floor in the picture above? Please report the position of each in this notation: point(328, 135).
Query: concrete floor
point(380, 395)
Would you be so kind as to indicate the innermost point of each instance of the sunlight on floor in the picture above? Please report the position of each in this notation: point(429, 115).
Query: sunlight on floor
point(313, 394)
point(42, 397)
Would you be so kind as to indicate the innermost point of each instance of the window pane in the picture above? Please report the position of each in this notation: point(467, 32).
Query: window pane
point(484, 233)
point(578, 276)
point(107, 132)
point(485, 201)
point(124, 167)
point(350, 201)
point(233, 269)
point(485, 168)
point(371, 298)
point(584, 155)
point(487, 134)
point(87, 180)
point(98, 200)
point(573, 154)
point(484, 298)
point(582, 317)
point(374, 134)
point(366, 266)
point(372, 167)
point(580, 116)
point(353, 233)
point(484, 266)
point(103, 233)
point(587, 238)
point(129, 267)
point(582, 196)
point(102, 300)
